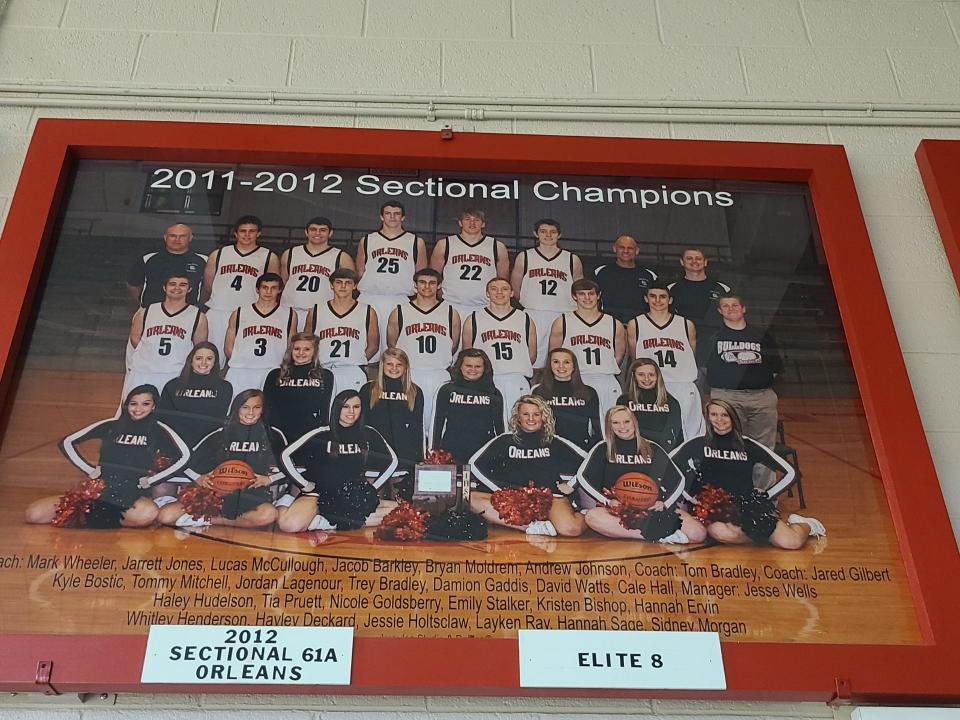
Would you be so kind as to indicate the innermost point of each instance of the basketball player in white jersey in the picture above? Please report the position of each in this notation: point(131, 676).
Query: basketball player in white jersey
point(542, 278)
point(348, 331)
point(162, 335)
point(671, 341)
point(230, 276)
point(468, 261)
point(258, 335)
point(509, 338)
point(428, 331)
point(596, 338)
point(386, 262)
point(306, 269)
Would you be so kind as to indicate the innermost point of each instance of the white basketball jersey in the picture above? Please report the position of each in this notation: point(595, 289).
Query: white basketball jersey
point(426, 336)
point(235, 279)
point(389, 264)
point(166, 340)
point(669, 346)
point(261, 340)
point(343, 338)
point(468, 269)
point(546, 283)
point(308, 277)
point(592, 343)
point(504, 340)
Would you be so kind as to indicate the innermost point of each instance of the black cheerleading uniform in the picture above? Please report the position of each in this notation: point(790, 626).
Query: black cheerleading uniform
point(392, 417)
point(467, 416)
point(195, 408)
point(516, 460)
point(300, 402)
point(578, 419)
point(599, 473)
point(362, 455)
point(258, 445)
point(128, 451)
point(663, 424)
point(722, 465)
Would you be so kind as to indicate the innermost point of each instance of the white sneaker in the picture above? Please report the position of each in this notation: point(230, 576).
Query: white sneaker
point(187, 520)
point(319, 522)
point(541, 527)
point(816, 527)
point(677, 538)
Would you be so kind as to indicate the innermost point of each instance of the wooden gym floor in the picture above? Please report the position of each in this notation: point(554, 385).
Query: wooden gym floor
point(849, 587)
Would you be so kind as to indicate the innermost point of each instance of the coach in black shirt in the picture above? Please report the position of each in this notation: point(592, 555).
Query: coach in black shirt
point(695, 296)
point(623, 285)
point(148, 274)
point(742, 363)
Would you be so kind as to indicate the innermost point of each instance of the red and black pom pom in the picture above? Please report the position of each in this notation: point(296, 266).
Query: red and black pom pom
point(438, 456)
point(404, 523)
point(74, 505)
point(522, 506)
point(200, 502)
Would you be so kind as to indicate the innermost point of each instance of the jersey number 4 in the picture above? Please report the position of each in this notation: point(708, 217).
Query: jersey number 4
point(666, 357)
point(237, 283)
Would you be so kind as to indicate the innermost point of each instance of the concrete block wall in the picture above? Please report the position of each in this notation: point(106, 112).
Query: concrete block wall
point(679, 50)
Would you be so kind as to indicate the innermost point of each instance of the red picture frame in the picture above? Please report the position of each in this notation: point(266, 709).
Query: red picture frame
point(862, 673)
point(939, 163)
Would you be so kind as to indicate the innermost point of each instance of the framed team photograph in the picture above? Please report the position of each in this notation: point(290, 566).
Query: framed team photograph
point(470, 403)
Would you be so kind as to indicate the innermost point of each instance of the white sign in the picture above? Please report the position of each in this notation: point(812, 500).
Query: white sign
point(214, 654)
point(612, 659)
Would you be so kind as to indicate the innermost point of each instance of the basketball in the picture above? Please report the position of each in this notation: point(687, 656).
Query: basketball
point(636, 490)
point(232, 475)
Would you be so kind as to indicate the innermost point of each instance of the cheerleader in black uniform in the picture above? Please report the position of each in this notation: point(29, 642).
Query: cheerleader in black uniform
point(393, 405)
point(469, 409)
point(724, 459)
point(347, 461)
point(575, 405)
point(244, 436)
point(530, 452)
point(297, 394)
point(196, 403)
point(657, 412)
point(626, 450)
point(129, 447)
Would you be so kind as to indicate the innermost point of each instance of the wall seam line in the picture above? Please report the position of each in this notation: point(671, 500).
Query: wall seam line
point(950, 23)
point(216, 15)
point(805, 22)
point(63, 14)
point(893, 70)
point(138, 55)
point(656, 14)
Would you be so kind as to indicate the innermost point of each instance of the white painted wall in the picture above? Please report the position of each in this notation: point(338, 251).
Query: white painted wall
point(688, 50)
